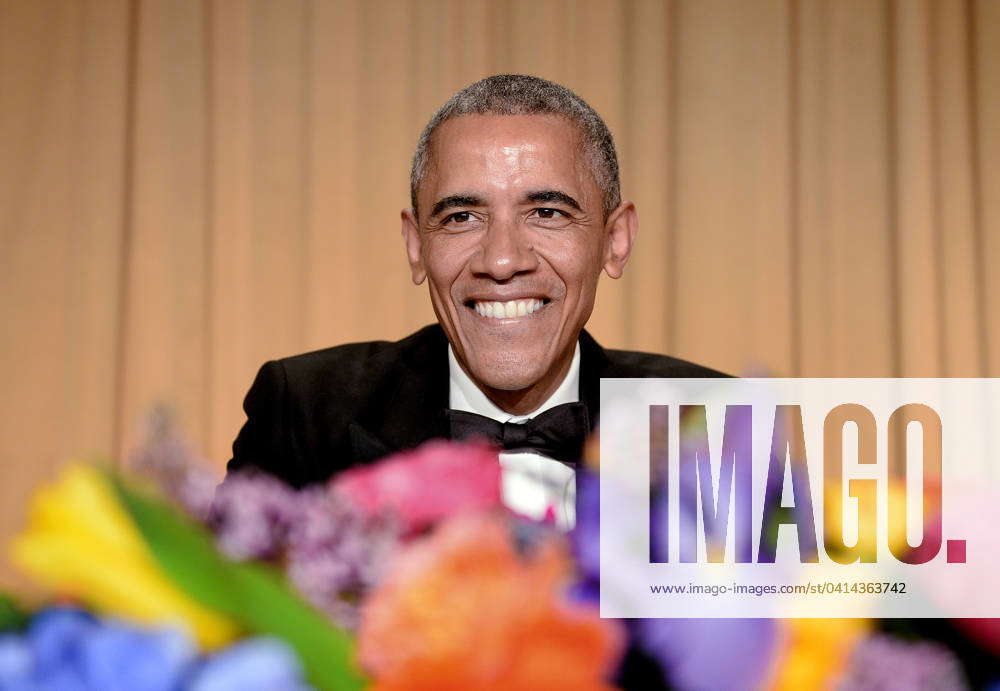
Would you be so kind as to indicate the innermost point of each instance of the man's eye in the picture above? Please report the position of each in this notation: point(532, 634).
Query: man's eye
point(550, 218)
point(459, 217)
point(549, 213)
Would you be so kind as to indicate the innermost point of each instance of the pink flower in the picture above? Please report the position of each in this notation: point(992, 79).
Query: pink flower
point(436, 480)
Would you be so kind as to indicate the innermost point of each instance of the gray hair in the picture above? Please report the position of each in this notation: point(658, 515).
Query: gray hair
point(518, 94)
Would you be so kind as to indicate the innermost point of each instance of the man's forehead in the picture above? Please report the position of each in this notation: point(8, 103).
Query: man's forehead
point(481, 131)
point(473, 151)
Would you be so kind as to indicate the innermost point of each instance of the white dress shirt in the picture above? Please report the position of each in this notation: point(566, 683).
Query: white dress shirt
point(533, 485)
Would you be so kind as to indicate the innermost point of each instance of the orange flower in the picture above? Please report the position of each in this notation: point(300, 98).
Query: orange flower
point(462, 610)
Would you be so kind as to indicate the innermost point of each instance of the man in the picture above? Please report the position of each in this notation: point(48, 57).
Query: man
point(516, 211)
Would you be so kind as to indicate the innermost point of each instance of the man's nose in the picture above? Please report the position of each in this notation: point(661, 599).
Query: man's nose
point(506, 250)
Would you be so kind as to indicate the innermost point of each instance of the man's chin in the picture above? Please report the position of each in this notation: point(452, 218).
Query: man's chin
point(505, 374)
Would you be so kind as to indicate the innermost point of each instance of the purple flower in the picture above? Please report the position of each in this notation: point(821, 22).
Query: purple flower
point(333, 552)
point(710, 653)
point(166, 455)
point(585, 537)
point(265, 664)
point(889, 664)
point(692, 653)
point(252, 515)
point(336, 553)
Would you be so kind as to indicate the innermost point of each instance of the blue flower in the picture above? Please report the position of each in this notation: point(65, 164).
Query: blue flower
point(118, 657)
point(16, 660)
point(262, 664)
point(70, 650)
point(55, 636)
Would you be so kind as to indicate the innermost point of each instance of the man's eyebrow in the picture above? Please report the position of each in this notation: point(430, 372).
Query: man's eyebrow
point(548, 196)
point(456, 200)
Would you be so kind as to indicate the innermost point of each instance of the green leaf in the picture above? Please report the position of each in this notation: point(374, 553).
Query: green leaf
point(12, 617)
point(253, 595)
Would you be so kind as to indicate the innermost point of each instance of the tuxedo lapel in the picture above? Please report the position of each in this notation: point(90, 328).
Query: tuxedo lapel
point(593, 365)
point(366, 447)
point(410, 408)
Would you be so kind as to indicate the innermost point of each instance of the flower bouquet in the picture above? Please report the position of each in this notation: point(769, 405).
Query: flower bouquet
point(406, 574)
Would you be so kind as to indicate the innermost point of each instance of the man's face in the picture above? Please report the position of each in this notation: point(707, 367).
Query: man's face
point(512, 239)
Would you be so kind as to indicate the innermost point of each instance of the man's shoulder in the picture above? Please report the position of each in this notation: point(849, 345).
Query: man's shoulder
point(363, 360)
point(637, 364)
point(311, 414)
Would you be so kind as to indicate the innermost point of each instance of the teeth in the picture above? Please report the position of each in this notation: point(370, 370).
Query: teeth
point(507, 310)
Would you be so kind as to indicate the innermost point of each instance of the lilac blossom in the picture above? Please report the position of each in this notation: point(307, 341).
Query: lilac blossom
point(336, 553)
point(252, 515)
point(888, 663)
point(333, 553)
point(166, 456)
point(331, 550)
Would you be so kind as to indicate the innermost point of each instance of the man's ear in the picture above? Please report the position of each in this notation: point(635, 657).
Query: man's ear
point(411, 237)
point(621, 228)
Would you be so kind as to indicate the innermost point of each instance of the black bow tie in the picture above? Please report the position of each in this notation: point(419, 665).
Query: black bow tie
point(558, 433)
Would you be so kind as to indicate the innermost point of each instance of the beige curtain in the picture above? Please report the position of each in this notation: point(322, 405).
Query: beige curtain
point(190, 188)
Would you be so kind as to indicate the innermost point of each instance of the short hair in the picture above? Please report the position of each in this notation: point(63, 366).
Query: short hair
point(518, 94)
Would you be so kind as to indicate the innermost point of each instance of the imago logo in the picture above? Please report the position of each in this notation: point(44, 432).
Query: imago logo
point(732, 489)
point(799, 497)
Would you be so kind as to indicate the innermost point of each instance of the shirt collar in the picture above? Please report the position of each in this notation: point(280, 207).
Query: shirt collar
point(463, 394)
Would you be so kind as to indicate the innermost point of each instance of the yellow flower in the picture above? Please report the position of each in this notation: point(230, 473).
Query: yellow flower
point(82, 543)
point(816, 651)
point(834, 523)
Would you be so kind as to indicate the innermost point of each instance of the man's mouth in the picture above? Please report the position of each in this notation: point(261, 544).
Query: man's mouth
point(492, 309)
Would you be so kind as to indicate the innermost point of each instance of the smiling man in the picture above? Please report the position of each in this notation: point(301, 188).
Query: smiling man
point(516, 211)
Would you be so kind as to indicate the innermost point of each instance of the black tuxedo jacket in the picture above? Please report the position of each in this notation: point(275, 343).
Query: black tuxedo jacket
point(312, 415)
